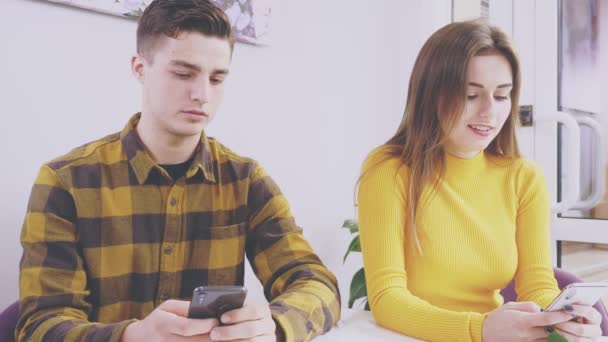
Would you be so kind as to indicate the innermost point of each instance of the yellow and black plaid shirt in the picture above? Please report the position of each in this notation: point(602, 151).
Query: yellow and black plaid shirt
point(109, 235)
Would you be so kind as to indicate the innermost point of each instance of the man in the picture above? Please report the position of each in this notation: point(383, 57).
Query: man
point(120, 231)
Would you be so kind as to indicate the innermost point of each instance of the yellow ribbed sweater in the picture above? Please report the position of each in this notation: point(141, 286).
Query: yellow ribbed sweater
point(486, 224)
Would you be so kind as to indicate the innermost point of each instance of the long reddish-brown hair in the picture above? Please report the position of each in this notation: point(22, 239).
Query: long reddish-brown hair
point(435, 100)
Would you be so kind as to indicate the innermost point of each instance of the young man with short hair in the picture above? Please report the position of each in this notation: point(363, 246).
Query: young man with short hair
point(120, 231)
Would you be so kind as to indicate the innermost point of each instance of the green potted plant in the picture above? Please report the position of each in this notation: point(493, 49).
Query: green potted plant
point(358, 288)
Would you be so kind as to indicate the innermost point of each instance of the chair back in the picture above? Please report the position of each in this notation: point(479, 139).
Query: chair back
point(8, 322)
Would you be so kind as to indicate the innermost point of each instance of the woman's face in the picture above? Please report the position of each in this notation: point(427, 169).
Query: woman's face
point(489, 81)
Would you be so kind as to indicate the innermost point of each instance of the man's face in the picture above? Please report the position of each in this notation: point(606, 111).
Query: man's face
point(182, 82)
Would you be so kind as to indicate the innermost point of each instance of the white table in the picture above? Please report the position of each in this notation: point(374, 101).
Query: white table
point(359, 325)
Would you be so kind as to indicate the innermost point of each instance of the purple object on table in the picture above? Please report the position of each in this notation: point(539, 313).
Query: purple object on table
point(563, 279)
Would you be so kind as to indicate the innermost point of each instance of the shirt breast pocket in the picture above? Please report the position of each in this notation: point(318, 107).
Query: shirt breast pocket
point(220, 251)
point(233, 231)
point(214, 256)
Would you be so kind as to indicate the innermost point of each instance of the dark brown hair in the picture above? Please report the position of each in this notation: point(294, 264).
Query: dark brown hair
point(171, 17)
point(436, 98)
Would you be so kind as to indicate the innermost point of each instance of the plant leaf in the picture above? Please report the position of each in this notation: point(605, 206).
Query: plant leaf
point(354, 246)
point(556, 337)
point(357, 287)
point(351, 225)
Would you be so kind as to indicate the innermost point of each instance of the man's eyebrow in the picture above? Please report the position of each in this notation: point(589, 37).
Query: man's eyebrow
point(478, 85)
point(185, 64)
point(197, 68)
point(220, 72)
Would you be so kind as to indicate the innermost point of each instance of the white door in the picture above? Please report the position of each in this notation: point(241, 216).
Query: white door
point(563, 47)
point(568, 43)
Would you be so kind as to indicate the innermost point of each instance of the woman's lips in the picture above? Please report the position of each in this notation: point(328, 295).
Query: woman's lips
point(482, 131)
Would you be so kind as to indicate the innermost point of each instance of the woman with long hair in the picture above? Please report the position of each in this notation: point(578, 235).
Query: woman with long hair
point(450, 212)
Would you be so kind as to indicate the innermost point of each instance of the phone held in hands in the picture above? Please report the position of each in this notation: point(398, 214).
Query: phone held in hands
point(213, 301)
point(579, 293)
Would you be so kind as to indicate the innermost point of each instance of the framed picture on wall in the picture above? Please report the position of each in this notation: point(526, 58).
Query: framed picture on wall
point(467, 9)
point(250, 18)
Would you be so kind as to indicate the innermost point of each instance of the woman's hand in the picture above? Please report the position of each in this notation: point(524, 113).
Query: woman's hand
point(585, 326)
point(520, 321)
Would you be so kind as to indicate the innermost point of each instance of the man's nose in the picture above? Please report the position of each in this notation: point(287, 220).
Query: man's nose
point(200, 91)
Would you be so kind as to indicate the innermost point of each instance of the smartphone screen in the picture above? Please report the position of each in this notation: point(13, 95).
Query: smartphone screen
point(579, 293)
point(213, 301)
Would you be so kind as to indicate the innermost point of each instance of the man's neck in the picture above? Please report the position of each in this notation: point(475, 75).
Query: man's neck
point(166, 148)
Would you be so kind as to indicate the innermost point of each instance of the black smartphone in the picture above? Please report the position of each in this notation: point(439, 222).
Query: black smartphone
point(213, 301)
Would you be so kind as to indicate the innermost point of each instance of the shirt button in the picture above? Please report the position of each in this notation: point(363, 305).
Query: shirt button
point(168, 250)
point(173, 201)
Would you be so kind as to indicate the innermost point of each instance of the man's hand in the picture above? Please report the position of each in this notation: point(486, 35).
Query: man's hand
point(169, 322)
point(252, 322)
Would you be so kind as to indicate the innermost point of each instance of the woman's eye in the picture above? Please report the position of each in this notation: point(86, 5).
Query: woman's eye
point(471, 97)
point(501, 98)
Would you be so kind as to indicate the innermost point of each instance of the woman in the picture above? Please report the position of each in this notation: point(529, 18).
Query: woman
point(449, 211)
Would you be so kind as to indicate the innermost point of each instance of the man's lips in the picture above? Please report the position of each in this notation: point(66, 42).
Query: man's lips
point(196, 112)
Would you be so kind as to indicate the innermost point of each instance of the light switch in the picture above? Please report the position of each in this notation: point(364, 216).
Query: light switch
point(526, 115)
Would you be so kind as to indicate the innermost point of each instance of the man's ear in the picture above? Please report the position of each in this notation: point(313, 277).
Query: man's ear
point(137, 67)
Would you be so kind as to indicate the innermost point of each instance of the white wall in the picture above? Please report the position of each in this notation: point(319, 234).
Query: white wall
point(309, 107)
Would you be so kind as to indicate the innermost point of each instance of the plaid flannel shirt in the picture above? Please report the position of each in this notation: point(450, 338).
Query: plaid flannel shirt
point(109, 235)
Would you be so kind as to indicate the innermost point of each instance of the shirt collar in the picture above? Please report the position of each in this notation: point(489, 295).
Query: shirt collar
point(142, 162)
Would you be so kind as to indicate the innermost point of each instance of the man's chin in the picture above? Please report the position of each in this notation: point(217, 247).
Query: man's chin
point(186, 132)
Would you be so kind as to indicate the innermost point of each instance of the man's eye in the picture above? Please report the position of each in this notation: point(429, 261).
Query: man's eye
point(217, 80)
point(182, 75)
